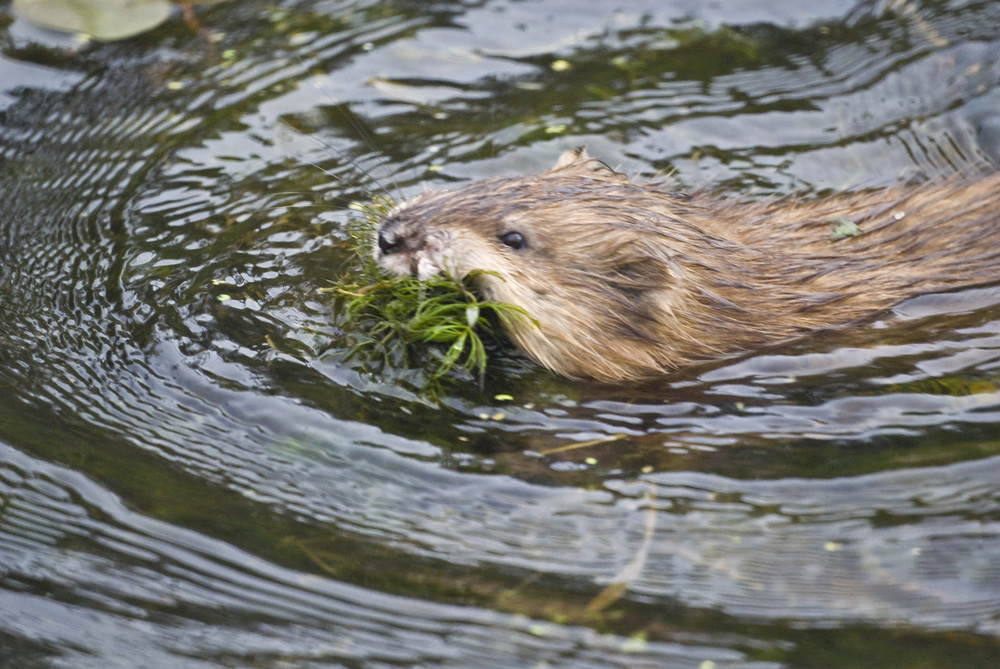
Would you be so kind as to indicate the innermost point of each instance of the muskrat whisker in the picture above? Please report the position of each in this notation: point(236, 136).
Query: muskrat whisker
point(342, 156)
point(365, 136)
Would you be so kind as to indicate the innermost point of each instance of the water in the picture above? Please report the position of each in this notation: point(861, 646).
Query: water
point(191, 474)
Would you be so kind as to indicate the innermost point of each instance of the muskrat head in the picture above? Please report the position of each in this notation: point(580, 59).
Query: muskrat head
point(572, 247)
point(490, 225)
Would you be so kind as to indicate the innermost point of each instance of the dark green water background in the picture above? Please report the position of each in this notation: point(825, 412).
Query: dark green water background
point(191, 475)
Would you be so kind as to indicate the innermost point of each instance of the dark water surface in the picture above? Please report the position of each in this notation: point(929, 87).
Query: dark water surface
point(191, 475)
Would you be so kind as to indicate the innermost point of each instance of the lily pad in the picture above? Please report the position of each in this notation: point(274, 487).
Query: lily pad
point(105, 20)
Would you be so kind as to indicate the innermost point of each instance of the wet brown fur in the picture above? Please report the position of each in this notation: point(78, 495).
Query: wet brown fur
point(629, 279)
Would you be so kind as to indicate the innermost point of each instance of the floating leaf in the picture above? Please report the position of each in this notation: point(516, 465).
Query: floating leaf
point(105, 20)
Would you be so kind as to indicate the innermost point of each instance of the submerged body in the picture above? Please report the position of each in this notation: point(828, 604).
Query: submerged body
point(624, 279)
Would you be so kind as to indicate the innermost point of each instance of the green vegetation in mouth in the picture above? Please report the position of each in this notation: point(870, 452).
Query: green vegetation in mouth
point(438, 323)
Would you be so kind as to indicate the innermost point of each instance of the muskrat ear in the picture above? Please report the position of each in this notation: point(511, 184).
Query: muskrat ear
point(579, 154)
point(579, 159)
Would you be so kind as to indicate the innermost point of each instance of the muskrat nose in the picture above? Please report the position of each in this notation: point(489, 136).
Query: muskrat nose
point(388, 243)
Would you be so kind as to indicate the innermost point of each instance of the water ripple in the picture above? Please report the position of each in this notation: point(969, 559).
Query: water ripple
point(197, 475)
point(212, 600)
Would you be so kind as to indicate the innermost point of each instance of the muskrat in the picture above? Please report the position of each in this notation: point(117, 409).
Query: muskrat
point(625, 279)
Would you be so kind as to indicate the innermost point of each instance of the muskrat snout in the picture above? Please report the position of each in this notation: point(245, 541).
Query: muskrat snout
point(388, 243)
point(406, 248)
point(394, 248)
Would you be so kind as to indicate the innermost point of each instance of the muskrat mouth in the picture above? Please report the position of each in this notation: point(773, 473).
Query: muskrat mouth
point(417, 264)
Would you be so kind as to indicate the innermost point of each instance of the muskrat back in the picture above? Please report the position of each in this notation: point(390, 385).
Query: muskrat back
point(624, 279)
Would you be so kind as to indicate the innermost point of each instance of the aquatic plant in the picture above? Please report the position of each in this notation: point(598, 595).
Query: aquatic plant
point(394, 320)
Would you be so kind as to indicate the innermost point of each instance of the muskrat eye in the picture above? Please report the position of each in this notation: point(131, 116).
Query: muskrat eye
point(515, 240)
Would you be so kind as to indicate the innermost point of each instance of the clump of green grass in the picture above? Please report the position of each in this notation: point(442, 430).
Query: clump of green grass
point(397, 320)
